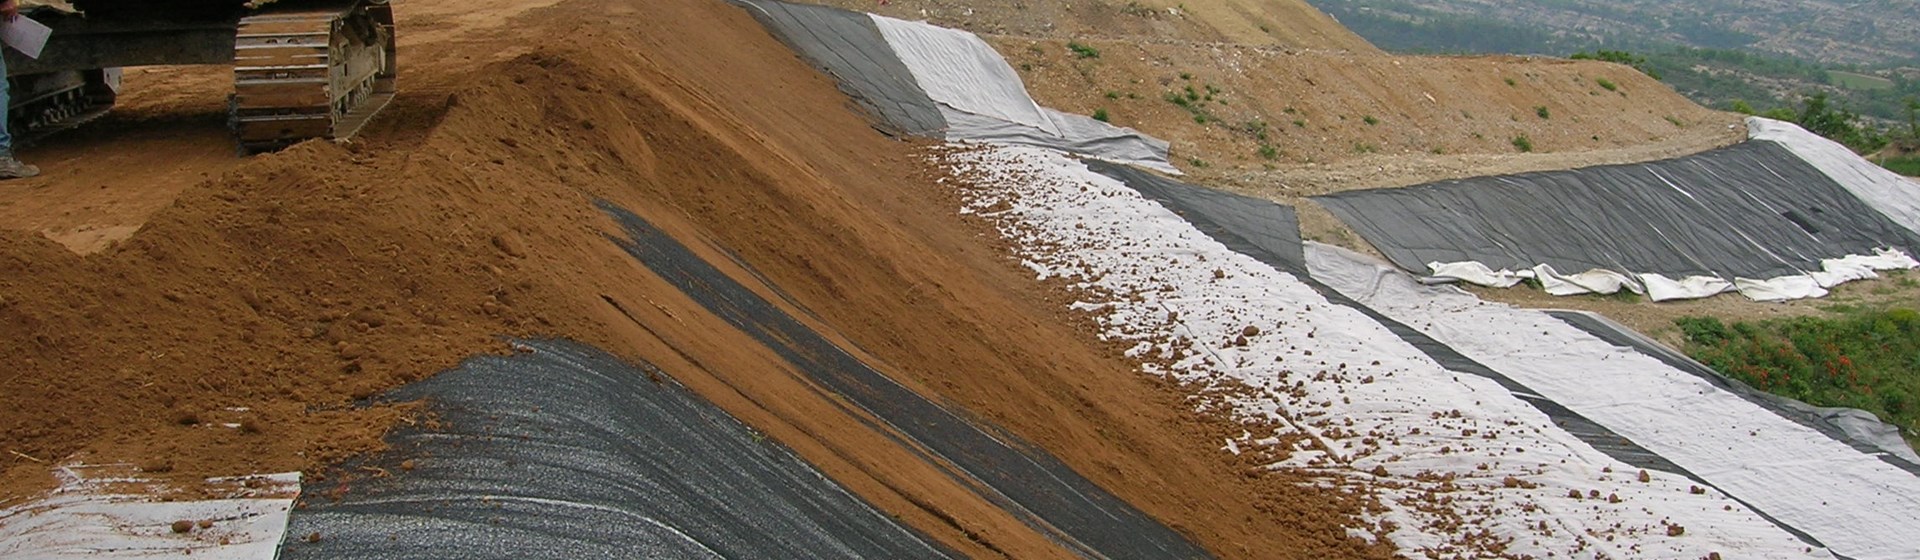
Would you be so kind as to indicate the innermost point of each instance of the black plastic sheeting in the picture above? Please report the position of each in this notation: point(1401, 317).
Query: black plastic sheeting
point(1270, 233)
point(1752, 210)
point(1019, 477)
point(847, 46)
point(565, 452)
point(1824, 420)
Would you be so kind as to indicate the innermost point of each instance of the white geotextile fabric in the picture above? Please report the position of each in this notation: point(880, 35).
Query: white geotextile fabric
point(958, 69)
point(1895, 196)
point(1855, 503)
point(984, 100)
point(1811, 284)
point(88, 518)
point(1325, 391)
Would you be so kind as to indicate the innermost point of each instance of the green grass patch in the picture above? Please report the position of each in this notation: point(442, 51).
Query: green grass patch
point(1607, 84)
point(1852, 80)
point(1101, 115)
point(1543, 112)
point(1083, 51)
point(1523, 143)
point(1906, 165)
point(1865, 358)
point(1370, 120)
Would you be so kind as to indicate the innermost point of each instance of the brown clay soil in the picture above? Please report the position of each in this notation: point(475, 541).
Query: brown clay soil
point(197, 314)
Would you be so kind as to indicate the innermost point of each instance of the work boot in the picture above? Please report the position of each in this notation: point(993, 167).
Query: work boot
point(12, 169)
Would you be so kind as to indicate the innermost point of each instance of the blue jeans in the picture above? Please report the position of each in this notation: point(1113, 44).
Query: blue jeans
point(6, 98)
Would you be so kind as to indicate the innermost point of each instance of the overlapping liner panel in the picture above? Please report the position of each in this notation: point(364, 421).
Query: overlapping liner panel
point(1755, 217)
point(927, 80)
point(565, 451)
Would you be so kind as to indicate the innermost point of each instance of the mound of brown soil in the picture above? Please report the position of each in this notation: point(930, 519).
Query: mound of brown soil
point(234, 331)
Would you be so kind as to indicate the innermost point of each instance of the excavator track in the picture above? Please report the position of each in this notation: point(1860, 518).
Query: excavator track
point(311, 73)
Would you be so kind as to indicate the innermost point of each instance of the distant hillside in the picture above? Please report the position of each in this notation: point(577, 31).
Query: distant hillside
point(1769, 54)
point(1862, 32)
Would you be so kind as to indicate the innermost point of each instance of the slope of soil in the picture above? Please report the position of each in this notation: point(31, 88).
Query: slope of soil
point(232, 332)
point(1281, 23)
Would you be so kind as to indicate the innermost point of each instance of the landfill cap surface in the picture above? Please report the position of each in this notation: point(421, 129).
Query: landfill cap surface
point(1326, 389)
point(1754, 216)
point(933, 81)
point(847, 46)
point(1853, 499)
point(1269, 232)
point(563, 451)
point(1019, 476)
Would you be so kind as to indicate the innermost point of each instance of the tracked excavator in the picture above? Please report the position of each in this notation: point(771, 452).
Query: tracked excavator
point(302, 69)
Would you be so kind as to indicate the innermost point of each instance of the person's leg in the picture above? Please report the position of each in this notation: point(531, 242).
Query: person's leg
point(10, 168)
point(6, 99)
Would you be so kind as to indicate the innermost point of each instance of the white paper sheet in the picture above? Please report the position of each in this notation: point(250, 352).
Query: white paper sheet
point(26, 35)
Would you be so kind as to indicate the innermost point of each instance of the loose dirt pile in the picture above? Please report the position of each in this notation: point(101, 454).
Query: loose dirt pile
point(235, 330)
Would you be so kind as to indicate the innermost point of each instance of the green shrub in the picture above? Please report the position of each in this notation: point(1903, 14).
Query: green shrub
point(1370, 120)
point(1607, 84)
point(1083, 51)
point(1620, 57)
point(1100, 115)
point(1523, 143)
point(1863, 358)
point(1269, 152)
point(1543, 112)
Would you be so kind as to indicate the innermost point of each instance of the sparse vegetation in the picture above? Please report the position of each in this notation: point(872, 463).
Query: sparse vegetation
point(1511, 83)
point(1269, 152)
point(1370, 120)
point(1523, 143)
point(1101, 115)
point(1543, 112)
point(1365, 148)
point(1865, 358)
point(1256, 129)
point(1194, 101)
point(1906, 165)
point(1607, 84)
point(1619, 57)
point(1083, 51)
